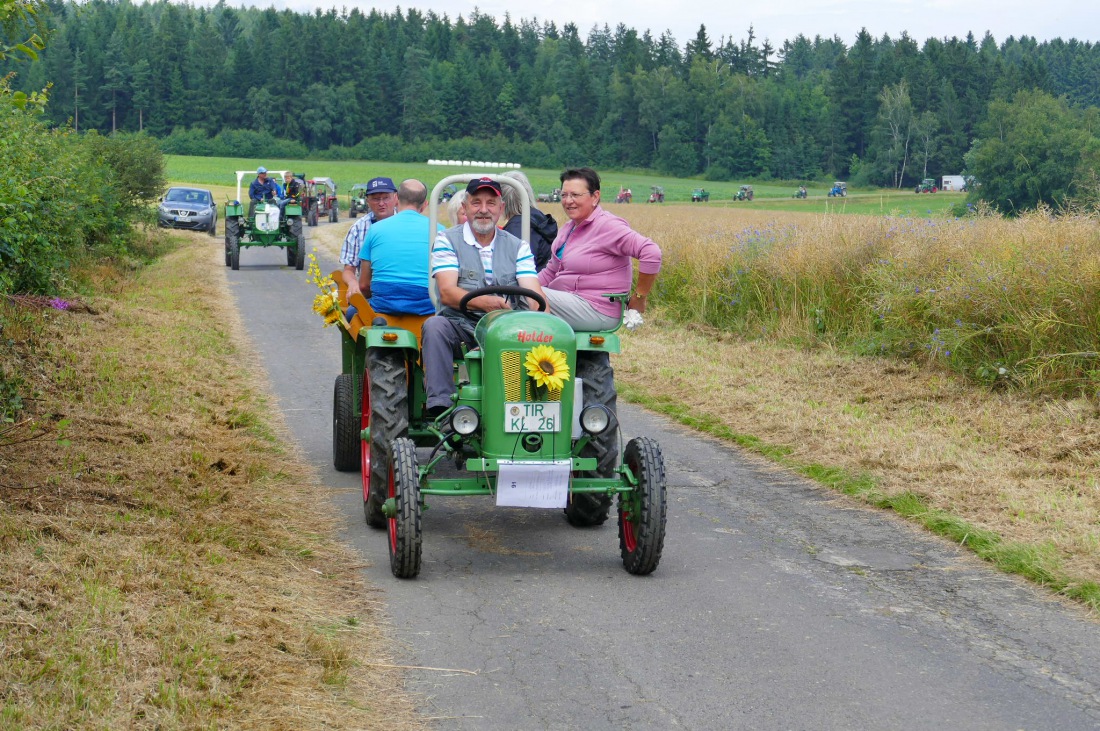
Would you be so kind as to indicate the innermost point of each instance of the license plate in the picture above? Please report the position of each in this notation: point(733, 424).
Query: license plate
point(181, 218)
point(544, 416)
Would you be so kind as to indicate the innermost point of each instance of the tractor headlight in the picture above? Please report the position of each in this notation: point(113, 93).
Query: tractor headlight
point(595, 419)
point(465, 420)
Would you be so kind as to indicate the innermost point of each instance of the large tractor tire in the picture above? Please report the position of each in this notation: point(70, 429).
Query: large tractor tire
point(642, 512)
point(313, 215)
point(594, 369)
point(345, 427)
point(352, 213)
point(232, 227)
point(235, 248)
point(386, 412)
point(403, 486)
point(299, 248)
point(334, 214)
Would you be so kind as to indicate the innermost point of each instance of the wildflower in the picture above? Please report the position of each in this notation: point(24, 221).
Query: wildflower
point(59, 304)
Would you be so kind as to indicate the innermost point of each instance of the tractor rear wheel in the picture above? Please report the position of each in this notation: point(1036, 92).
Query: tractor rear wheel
point(403, 486)
point(299, 262)
point(386, 412)
point(594, 369)
point(345, 427)
point(231, 227)
point(234, 249)
point(642, 512)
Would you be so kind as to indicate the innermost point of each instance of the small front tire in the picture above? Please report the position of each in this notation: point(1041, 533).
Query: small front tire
point(345, 427)
point(405, 534)
point(642, 512)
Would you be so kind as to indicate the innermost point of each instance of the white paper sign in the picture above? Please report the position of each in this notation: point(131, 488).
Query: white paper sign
point(533, 484)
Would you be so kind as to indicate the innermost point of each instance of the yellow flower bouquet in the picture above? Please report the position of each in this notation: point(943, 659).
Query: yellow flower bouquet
point(327, 303)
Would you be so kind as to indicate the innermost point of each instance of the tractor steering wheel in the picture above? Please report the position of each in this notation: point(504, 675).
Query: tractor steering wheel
point(502, 290)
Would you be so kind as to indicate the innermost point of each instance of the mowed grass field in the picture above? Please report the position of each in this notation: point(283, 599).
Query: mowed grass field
point(221, 172)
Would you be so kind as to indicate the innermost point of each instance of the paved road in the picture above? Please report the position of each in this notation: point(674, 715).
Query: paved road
point(776, 605)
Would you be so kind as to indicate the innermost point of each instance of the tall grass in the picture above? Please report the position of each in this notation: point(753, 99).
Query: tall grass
point(1002, 301)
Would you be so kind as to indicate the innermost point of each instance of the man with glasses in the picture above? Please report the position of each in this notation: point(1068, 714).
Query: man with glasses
point(464, 258)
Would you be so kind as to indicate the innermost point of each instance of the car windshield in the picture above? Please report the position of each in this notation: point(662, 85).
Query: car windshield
point(185, 195)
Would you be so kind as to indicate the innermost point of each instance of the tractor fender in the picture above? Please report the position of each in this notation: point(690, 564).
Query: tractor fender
point(610, 342)
point(404, 338)
point(234, 208)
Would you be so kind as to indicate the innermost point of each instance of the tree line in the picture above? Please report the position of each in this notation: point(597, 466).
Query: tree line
point(411, 85)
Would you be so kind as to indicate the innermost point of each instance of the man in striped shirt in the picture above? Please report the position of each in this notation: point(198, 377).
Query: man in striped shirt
point(382, 201)
point(465, 258)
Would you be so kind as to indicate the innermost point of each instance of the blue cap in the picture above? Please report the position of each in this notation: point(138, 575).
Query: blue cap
point(261, 169)
point(381, 185)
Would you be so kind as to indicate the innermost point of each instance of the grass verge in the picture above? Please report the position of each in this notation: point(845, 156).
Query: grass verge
point(1011, 477)
point(167, 560)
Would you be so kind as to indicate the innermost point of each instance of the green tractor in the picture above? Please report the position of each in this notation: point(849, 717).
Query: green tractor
point(510, 437)
point(266, 226)
point(928, 185)
point(700, 195)
point(357, 200)
point(744, 193)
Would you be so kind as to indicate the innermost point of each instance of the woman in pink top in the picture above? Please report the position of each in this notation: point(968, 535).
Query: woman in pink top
point(591, 257)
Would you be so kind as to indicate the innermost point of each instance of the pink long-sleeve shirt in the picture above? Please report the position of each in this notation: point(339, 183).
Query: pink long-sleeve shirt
point(596, 259)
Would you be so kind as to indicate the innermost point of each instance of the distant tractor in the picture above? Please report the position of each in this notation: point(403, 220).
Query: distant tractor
point(266, 225)
point(624, 195)
point(357, 200)
point(552, 197)
point(744, 193)
point(928, 185)
point(656, 195)
point(700, 195)
point(801, 192)
point(839, 190)
point(320, 200)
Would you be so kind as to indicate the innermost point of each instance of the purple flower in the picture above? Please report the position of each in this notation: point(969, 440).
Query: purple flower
point(59, 304)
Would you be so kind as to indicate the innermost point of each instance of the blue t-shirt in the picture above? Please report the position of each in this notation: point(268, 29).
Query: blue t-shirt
point(397, 249)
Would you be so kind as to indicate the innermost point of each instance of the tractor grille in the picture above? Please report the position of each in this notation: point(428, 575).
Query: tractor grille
point(517, 385)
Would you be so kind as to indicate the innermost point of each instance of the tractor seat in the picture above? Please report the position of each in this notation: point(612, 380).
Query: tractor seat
point(366, 317)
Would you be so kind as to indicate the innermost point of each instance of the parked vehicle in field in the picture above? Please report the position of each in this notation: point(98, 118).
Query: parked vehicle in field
point(801, 192)
point(928, 185)
point(511, 433)
point(320, 200)
point(955, 183)
point(744, 193)
point(656, 194)
point(188, 208)
point(268, 226)
point(839, 190)
point(552, 197)
point(700, 195)
point(624, 196)
point(357, 200)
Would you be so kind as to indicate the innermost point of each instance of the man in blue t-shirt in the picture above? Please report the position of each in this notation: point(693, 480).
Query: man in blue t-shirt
point(393, 267)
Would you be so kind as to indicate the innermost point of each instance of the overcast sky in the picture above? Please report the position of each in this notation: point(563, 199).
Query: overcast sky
point(778, 20)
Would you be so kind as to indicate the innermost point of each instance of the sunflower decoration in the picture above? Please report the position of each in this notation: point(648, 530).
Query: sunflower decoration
point(547, 366)
point(327, 303)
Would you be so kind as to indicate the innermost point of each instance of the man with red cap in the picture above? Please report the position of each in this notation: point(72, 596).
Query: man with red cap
point(464, 258)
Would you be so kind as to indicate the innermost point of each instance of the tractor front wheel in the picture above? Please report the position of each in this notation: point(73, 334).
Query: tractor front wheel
point(403, 487)
point(231, 228)
point(313, 215)
point(334, 214)
point(386, 412)
point(351, 211)
point(589, 509)
point(345, 430)
point(642, 512)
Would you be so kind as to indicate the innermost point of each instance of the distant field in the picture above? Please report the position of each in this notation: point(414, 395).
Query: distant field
point(220, 171)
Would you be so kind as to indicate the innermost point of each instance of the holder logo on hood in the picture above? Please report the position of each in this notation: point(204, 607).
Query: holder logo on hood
point(534, 337)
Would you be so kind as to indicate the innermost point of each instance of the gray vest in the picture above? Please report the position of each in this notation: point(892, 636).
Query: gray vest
point(471, 274)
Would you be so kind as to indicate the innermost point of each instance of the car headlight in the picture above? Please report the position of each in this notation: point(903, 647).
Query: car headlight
point(465, 420)
point(595, 419)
